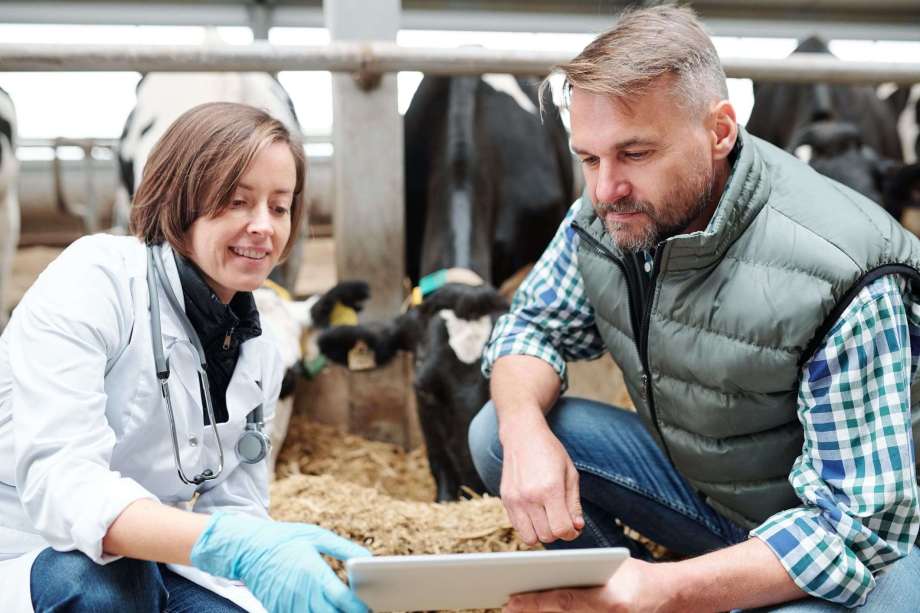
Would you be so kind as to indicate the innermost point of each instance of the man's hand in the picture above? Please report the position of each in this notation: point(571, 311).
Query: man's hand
point(539, 484)
point(636, 587)
point(744, 576)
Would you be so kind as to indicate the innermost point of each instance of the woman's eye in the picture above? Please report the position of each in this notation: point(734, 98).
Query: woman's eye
point(237, 202)
point(282, 210)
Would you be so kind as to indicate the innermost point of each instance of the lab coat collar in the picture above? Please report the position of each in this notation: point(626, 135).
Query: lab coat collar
point(245, 389)
point(169, 321)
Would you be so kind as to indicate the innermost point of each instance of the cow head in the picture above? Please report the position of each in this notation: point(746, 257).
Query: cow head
point(836, 150)
point(446, 335)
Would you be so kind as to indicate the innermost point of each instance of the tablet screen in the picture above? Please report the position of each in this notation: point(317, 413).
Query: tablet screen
point(475, 580)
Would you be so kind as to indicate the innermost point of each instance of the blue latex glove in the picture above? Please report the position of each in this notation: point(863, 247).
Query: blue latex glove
point(279, 562)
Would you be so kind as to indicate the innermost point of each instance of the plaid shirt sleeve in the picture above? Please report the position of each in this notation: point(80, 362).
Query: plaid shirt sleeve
point(856, 475)
point(550, 317)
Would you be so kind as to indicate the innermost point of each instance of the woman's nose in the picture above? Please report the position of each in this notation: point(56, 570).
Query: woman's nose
point(260, 222)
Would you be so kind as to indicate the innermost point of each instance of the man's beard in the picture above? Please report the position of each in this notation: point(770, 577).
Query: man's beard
point(683, 205)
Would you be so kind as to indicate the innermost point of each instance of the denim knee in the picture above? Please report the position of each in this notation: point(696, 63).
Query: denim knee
point(73, 582)
point(485, 448)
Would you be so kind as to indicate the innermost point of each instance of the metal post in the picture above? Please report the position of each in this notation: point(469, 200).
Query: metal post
point(369, 227)
point(368, 161)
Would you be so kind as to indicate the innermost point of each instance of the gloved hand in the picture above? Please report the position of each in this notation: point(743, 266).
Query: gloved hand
point(279, 562)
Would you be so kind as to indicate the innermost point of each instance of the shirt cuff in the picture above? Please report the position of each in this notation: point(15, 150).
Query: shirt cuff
point(817, 561)
point(94, 522)
point(513, 346)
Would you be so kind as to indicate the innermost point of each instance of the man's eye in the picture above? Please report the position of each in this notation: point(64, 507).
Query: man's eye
point(636, 155)
point(589, 161)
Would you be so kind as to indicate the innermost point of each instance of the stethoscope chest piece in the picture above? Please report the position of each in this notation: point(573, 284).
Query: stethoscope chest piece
point(253, 446)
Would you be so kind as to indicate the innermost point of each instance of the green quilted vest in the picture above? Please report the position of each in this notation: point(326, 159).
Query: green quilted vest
point(712, 343)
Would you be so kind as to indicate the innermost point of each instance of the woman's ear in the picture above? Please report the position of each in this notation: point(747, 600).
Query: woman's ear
point(724, 129)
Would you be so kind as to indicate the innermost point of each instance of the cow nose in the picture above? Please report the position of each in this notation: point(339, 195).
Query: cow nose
point(823, 109)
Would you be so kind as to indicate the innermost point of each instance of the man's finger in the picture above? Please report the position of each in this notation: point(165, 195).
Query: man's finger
point(522, 524)
point(573, 497)
point(537, 514)
point(554, 600)
point(560, 520)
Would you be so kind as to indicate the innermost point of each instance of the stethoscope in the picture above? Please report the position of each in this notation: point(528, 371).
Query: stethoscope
point(253, 445)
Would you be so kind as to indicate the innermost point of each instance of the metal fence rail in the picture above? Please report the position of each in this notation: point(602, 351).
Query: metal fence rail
point(369, 58)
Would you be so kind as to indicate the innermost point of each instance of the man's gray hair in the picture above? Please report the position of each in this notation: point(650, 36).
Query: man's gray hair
point(645, 45)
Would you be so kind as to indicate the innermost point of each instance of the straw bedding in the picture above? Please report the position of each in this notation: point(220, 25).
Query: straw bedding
point(381, 496)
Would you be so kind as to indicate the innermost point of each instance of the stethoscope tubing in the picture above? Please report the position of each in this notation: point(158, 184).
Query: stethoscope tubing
point(154, 255)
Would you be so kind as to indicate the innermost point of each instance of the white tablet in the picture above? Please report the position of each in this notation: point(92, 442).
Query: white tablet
point(475, 580)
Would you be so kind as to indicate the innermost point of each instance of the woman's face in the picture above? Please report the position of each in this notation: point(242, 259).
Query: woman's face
point(237, 249)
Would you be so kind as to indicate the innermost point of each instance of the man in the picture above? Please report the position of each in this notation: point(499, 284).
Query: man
point(766, 322)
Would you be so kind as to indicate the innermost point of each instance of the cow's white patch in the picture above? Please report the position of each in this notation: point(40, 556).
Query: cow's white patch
point(467, 338)
point(508, 84)
point(803, 152)
point(278, 320)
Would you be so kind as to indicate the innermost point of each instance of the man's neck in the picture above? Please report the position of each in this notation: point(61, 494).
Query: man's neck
point(721, 172)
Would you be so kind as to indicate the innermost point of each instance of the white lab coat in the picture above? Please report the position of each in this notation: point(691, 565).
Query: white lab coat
point(83, 427)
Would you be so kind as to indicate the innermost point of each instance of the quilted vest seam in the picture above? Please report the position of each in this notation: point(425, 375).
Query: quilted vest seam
point(791, 269)
point(791, 351)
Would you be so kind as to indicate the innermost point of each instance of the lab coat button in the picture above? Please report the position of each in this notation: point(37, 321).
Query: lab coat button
point(193, 441)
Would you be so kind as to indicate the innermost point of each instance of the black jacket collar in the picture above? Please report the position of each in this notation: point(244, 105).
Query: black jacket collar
point(213, 320)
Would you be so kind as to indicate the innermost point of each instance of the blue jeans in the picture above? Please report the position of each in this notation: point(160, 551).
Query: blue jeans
point(623, 474)
point(71, 582)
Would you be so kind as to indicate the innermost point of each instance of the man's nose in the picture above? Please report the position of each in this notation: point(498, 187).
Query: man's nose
point(611, 184)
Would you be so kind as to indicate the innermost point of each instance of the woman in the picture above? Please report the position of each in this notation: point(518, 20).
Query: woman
point(115, 493)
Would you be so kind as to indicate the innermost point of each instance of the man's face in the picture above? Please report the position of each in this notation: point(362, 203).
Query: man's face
point(648, 166)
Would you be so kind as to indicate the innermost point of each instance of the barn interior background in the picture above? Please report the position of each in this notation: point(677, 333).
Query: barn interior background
point(71, 68)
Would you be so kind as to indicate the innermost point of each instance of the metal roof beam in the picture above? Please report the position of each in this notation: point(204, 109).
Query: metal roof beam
point(879, 19)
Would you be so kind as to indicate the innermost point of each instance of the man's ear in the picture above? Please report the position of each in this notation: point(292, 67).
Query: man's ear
point(723, 129)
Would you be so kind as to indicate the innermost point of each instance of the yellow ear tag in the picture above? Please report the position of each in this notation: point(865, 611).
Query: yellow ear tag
point(343, 315)
point(361, 357)
point(416, 296)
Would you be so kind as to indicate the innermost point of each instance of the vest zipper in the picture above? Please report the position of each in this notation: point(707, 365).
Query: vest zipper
point(639, 302)
point(599, 249)
point(227, 338)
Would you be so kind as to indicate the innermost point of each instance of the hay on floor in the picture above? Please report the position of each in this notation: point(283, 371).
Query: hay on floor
point(389, 526)
point(377, 494)
point(316, 449)
point(380, 496)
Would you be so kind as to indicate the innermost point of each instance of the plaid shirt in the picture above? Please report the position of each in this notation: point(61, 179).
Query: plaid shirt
point(855, 476)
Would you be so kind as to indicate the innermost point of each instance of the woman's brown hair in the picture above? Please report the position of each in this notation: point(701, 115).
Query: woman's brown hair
point(194, 169)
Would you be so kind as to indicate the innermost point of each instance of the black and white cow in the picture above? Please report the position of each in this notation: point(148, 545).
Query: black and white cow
point(163, 97)
point(846, 132)
point(488, 180)
point(9, 202)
